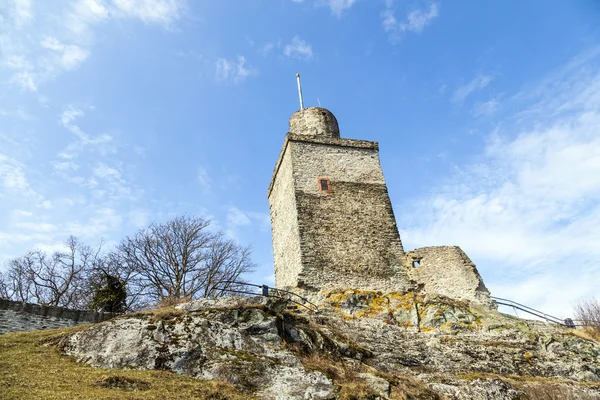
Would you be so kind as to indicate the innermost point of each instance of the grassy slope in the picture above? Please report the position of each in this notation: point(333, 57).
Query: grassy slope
point(32, 369)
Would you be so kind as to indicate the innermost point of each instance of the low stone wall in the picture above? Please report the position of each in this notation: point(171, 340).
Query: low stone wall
point(447, 270)
point(16, 316)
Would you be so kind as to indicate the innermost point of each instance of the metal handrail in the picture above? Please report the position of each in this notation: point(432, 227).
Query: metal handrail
point(266, 292)
point(569, 323)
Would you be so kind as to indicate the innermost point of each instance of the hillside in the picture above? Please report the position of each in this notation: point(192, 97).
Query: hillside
point(359, 345)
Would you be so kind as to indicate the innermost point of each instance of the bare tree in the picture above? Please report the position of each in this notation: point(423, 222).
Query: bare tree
point(58, 279)
point(17, 283)
point(225, 262)
point(587, 313)
point(4, 286)
point(182, 258)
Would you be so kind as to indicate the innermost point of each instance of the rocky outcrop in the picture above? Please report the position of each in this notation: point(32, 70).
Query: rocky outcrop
point(360, 345)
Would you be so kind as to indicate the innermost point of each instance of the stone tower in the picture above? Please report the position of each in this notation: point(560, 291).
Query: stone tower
point(332, 221)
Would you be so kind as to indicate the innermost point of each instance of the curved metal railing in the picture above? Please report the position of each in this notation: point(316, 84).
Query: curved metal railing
point(569, 323)
point(268, 291)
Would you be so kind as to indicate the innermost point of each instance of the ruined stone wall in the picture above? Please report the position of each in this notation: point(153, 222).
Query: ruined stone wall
point(348, 237)
point(22, 317)
point(284, 222)
point(447, 270)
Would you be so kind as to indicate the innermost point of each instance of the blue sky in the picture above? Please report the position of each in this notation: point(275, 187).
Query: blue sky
point(116, 113)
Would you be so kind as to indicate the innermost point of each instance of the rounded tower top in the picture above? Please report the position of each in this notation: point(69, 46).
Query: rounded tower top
point(315, 121)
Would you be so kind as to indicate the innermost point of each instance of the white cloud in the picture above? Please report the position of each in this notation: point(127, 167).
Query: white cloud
point(162, 12)
point(17, 214)
point(105, 172)
point(233, 71)
point(37, 227)
point(204, 179)
point(415, 21)
point(298, 48)
point(25, 80)
point(12, 176)
point(69, 115)
point(336, 6)
point(528, 211)
point(46, 204)
point(83, 140)
point(477, 83)
point(139, 218)
point(108, 183)
point(65, 166)
point(67, 56)
point(18, 113)
point(267, 48)
point(486, 108)
point(103, 220)
point(237, 219)
point(67, 38)
point(22, 12)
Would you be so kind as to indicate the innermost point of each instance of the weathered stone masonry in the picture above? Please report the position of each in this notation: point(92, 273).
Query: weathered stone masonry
point(16, 316)
point(333, 225)
point(344, 237)
point(449, 271)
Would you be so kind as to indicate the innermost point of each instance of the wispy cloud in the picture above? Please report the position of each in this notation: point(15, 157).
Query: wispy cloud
point(162, 12)
point(65, 166)
point(531, 204)
point(13, 178)
point(66, 56)
point(83, 140)
point(21, 11)
point(415, 21)
point(204, 179)
point(336, 6)
point(63, 43)
point(464, 91)
point(139, 218)
point(298, 48)
point(107, 183)
point(237, 219)
point(486, 108)
point(235, 71)
point(268, 48)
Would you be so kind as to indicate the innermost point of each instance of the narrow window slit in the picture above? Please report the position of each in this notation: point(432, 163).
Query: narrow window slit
point(324, 185)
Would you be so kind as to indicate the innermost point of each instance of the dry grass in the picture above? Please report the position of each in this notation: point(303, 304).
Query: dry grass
point(353, 387)
point(356, 391)
point(32, 368)
point(522, 380)
point(158, 314)
point(552, 392)
point(172, 301)
point(587, 313)
point(586, 333)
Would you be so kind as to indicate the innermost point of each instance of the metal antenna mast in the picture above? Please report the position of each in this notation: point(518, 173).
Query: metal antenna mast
point(300, 92)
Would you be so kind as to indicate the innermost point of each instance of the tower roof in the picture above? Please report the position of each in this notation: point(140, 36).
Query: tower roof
point(314, 121)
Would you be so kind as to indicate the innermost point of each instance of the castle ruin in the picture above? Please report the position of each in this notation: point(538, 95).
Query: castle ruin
point(333, 224)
